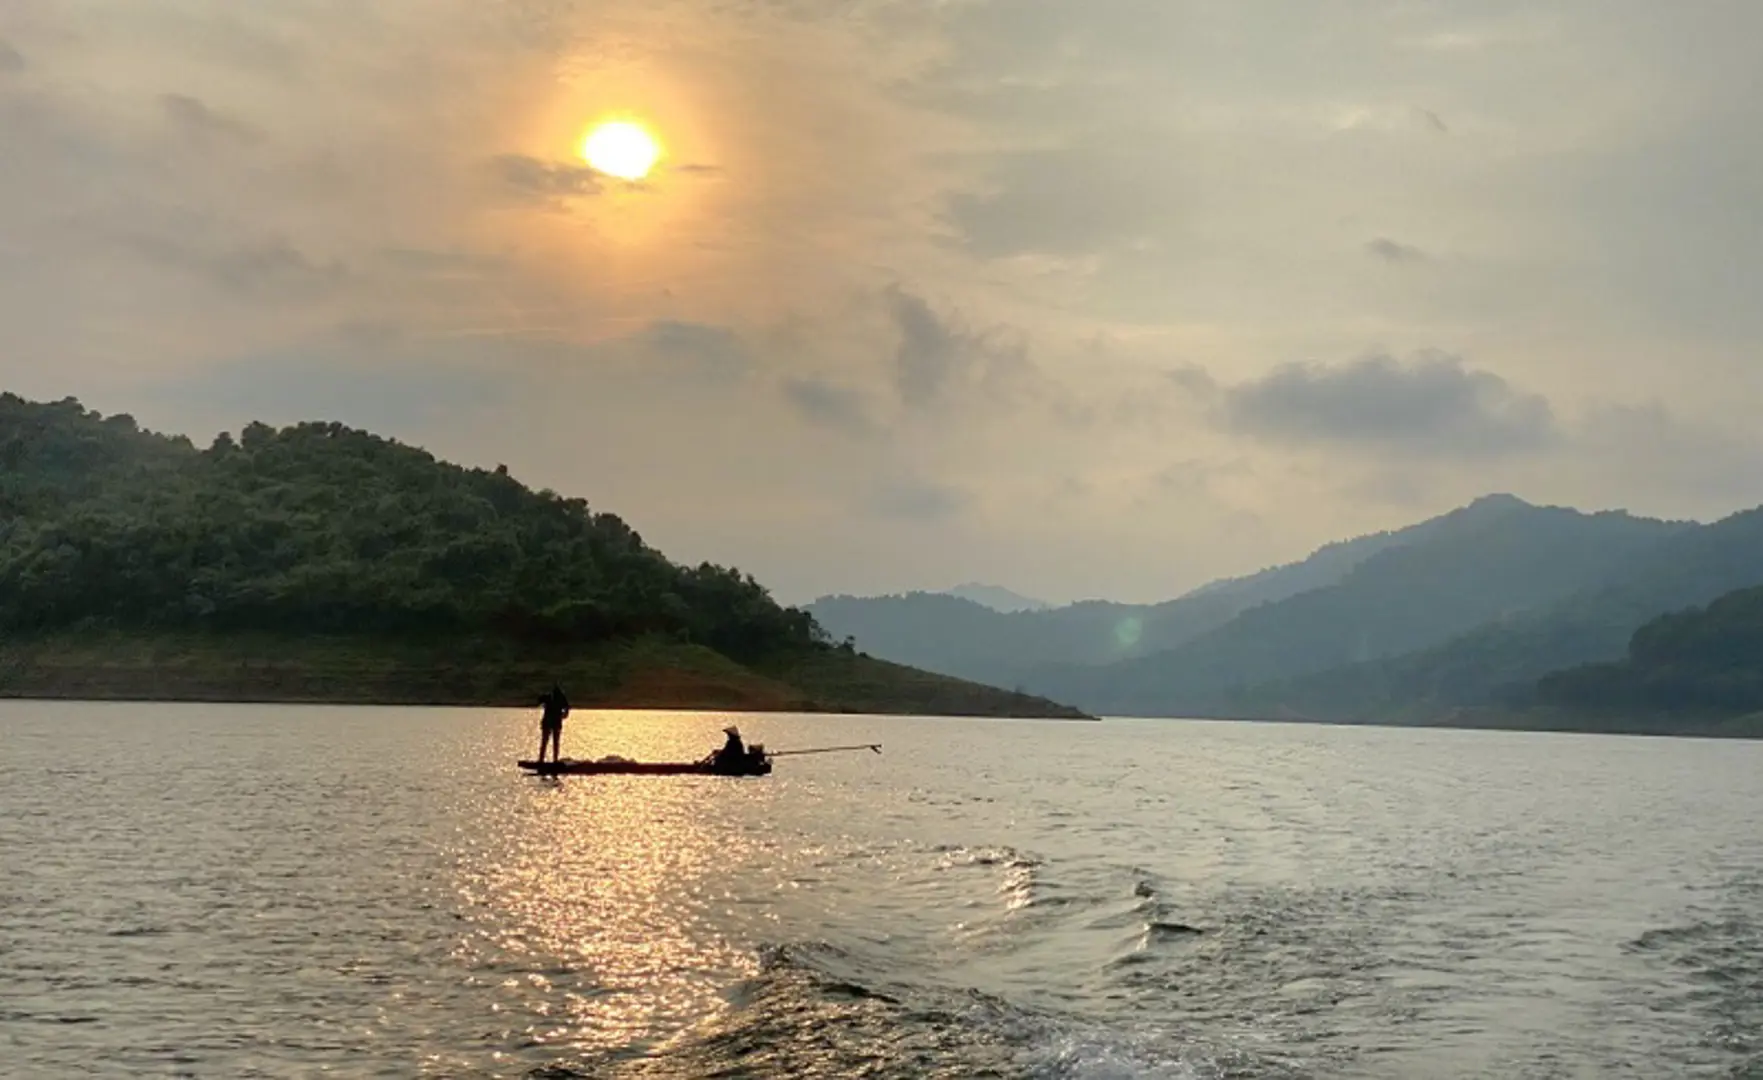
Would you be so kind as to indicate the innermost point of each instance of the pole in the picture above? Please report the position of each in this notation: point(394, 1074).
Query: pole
point(826, 750)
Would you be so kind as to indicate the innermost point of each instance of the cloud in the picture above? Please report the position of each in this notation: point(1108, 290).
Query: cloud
point(1432, 404)
point(1696, 464)
point(719, 354)
point(838, 407)
point(1071, 201)
point(1390, 251)
point(929, 354)
point(196, 120)
point(921, 500)
point(712, 350)
point(465, 265)
point(531, 177)
point(364, 377)
point(1194, 379)
point(1407, 488)
point(268, 267)
point(1195, 478)
point(936, 355)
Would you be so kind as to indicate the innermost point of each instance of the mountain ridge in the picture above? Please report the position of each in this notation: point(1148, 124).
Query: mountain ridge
point(1482, 562)
point(1019, 648)
point(997, 597)
point(1499, 664)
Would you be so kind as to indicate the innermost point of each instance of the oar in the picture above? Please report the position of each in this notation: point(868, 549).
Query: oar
point(827, 749)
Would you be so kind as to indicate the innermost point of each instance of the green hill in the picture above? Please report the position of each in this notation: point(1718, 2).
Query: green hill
point(317, 562)
point(1703, 660)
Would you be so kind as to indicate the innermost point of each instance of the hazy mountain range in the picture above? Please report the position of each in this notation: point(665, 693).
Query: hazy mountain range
point(997, 597)
point(1470, 608)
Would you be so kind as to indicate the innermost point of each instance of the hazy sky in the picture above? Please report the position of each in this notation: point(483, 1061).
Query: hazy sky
point(1087, 299)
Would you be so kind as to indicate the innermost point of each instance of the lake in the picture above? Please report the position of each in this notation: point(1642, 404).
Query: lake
point(268, 891)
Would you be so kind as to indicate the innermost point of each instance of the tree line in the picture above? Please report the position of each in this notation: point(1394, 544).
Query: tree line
point(1707, 659)
point(319, 528)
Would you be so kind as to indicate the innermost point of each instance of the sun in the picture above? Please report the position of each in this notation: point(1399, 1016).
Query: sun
point(621, 148)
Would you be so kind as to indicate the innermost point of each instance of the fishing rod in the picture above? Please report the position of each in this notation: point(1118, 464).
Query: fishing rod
point(826, 749)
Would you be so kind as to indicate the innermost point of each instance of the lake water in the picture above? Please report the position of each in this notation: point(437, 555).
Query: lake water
point(280, 892)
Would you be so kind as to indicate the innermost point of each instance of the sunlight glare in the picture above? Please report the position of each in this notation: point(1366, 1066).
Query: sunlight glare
point(621, 148)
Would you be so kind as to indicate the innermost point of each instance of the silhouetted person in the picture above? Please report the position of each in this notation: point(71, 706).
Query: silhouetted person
point(733, 755)
point(551, 722)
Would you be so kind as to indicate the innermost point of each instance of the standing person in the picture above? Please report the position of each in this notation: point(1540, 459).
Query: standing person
point(551, 721)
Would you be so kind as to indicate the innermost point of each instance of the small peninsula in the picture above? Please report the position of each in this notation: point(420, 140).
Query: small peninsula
point(319, 563)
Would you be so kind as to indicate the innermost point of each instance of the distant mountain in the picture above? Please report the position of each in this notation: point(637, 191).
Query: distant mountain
point(949, 634)
point(1327, 565)
point(959, 637)
point(1494, 559)
point(1500, 663)
point(997, 598)
point(962, 637)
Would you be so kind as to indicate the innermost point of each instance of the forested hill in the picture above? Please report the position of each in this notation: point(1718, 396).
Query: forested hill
point(1699, 661)
point(1497, 558)
point(321, 531)
point(1403, 587)
point(1498, 664)
point(320, 528)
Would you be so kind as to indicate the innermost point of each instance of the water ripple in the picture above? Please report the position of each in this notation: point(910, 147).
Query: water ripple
point(208, 891)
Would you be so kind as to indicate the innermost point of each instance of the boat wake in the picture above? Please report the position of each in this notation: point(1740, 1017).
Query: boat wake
point(819, 1010)
point(997, 962)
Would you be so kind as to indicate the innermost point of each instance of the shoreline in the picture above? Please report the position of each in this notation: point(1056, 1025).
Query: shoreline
point(343, 701)
point(1747, 726)
point(634, 674)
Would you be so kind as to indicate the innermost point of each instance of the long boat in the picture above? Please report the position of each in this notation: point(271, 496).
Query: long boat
point(755, 762)
point(622, 766)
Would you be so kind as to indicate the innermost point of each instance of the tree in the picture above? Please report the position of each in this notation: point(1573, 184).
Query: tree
point(320, 528)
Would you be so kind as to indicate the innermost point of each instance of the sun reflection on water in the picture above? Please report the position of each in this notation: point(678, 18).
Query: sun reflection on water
point(598, 922)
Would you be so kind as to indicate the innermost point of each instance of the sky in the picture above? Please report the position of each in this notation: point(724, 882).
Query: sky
point(1088, 300)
